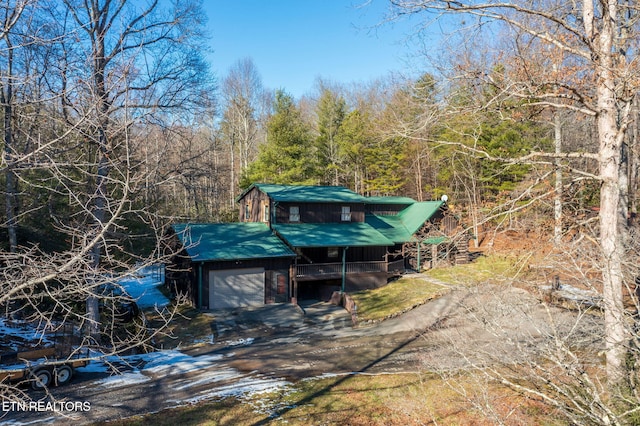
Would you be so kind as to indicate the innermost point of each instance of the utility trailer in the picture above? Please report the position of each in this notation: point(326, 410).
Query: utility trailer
point(40, 368)
point(45, 366)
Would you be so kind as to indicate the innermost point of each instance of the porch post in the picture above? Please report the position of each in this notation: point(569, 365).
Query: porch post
point(294, 282)
point(344, 268)
point(418, 246)
point(200, 285)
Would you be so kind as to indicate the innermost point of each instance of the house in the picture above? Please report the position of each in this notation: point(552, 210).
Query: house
point(296, 242)
point(228, 265)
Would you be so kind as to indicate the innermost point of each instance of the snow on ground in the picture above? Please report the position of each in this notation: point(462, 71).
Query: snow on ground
point(212, 378)
point(13, 330)
point(144, 288)
point(202, 377)
point(121, 380)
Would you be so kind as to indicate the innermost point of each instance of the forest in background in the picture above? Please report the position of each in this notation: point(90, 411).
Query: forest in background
point(191, 144)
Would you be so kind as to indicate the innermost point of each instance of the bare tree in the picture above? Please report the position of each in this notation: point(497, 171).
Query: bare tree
point(11, 15)
point(598, 38)
point(109, 69)
point(118, 40)
point(243, 99)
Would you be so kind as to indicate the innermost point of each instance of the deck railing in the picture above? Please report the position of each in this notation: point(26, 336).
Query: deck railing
point(320, 269)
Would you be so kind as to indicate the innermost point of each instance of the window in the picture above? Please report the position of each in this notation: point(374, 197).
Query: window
point(346, 214)
point(265, 217)
point(332, 252)
point(294, 214)
point(247, 212)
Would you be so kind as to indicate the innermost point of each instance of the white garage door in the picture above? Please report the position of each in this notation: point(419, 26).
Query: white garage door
point(235, 288)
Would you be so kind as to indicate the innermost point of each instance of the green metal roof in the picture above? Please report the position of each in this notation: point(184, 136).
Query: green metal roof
point(414, 216)
point(435, 240)
point(390, 200)
point(401, 227)
point(389, 226)
point(230, 241)
point(308, 193)
point(352, 234)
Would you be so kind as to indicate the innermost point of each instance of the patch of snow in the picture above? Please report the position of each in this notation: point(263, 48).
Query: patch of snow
point(225, 381)
point(240, 342)
point(245, 387)
point(22, 330)
point(117, 381)
point(175, 362)
point(94, 367)
point(144, 288)
point(212, 377)
point(575, 294)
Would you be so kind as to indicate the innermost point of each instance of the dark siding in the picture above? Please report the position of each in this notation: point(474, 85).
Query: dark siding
point(182, 277)
point(267, 264)
point(386, 209)
point(319, 212)
point(354, 254)
point(256, 200)
point(277, 286)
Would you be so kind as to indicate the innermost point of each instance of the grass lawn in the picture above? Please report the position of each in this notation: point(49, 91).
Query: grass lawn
point(492, 268)
point(396, 297)
point(410, 291)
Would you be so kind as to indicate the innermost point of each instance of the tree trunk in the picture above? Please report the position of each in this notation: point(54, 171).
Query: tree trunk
point(610, 235)
point(232, 175)
point(11, 200)
point(11, 183)
point(633, 165)
point(557, 200)
point(102, 173)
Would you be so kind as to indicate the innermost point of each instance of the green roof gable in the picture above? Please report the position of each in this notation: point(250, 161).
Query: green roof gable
point(351, 234)
point(401, 227)
point(414, 216)
point(230, 241)
point(307, 193)
point(390, 200)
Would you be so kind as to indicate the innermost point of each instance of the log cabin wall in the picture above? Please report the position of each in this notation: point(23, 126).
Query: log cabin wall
point(252, 206)
point(319, 212)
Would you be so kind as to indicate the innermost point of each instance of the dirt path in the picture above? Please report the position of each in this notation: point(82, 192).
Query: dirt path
point(478, 325)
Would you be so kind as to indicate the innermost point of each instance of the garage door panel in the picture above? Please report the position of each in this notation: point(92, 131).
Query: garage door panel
point(233, 288)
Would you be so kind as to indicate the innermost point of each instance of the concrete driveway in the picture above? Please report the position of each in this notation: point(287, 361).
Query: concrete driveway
point(320, 318)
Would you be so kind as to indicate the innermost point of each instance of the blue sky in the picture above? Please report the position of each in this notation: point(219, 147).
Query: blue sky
point(292, 42)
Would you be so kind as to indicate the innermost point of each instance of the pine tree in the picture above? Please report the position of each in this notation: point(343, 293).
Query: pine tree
point(287, 157)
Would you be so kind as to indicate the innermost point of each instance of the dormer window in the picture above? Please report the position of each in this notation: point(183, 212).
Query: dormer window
point(346, 214)
point(294, 214)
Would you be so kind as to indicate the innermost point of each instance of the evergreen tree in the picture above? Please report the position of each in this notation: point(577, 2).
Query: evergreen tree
point(286, 158)
point(331, 111)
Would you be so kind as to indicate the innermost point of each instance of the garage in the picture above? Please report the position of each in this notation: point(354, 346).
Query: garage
point(235, 288)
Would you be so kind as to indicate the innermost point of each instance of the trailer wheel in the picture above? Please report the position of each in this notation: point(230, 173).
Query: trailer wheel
point(63, 374)
point(41, 379)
